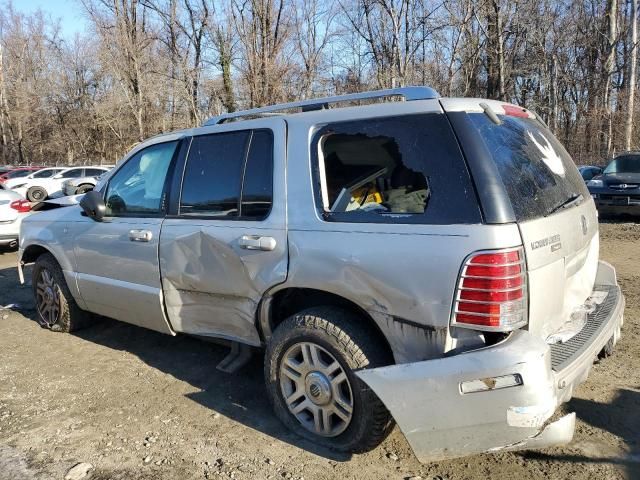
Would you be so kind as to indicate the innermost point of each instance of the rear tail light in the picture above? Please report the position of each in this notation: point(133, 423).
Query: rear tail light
point(22, 206)
point(492, 292)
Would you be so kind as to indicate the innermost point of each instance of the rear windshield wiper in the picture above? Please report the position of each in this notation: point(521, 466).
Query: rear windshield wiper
point(568, 203)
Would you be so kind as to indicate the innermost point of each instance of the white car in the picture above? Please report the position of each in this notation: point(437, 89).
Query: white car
point(13, 208)
point(37, 190)
point(17, 182)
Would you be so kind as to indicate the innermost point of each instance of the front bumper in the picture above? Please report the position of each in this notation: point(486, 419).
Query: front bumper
point(616, 202)
point(440, 422)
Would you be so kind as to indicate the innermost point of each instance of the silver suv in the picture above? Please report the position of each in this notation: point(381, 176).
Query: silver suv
point(432, 261)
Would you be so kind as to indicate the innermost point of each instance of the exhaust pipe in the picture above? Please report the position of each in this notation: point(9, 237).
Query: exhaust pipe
point(13, 244)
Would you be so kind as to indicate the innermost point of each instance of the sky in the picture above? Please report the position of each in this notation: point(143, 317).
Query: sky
point(69, 12)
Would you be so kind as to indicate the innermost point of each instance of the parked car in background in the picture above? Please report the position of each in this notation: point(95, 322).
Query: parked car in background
point(17, 173)
point(433, 261)
point(18, 182)
point(39, 189)
point(77, 186)
point(13, 208)
point(617, 190)
point(588, 172)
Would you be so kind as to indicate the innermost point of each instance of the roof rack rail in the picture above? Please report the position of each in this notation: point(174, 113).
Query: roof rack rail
point(409, 94)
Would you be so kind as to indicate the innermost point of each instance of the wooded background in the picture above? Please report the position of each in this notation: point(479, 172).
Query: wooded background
point(150, 66)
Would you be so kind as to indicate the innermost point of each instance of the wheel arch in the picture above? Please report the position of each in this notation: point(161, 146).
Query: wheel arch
point(30, 254)
point(277, 306)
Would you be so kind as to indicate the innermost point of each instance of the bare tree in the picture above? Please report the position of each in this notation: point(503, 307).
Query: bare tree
point(313, 24)
point(122, 27)
point(154, 65)
point(262, 27)
point(631, 84)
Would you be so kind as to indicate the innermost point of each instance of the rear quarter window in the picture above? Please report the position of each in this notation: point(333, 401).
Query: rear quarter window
point(403, 169)
point(538, 174)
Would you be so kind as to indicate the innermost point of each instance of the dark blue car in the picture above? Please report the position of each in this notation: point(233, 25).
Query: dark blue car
point(617, 190)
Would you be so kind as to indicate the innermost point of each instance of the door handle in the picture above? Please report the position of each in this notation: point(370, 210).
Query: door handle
point(255, 242)
point(140, 235)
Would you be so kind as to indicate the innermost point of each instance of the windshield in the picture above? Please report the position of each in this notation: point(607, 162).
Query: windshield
point(45, 173)
point(19, 173)
point(536, 170)
point(627, 164)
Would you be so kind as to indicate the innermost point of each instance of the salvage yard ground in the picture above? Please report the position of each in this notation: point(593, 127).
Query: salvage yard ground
point(140, 405)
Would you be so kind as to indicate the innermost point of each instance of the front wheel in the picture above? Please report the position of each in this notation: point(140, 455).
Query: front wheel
point(56, 308)
point(309, 368)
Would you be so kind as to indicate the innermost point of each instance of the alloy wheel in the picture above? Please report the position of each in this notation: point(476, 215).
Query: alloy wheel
point(316, 389)
point(47, 298)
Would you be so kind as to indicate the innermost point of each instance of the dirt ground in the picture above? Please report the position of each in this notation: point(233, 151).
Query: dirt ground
point(140, 405)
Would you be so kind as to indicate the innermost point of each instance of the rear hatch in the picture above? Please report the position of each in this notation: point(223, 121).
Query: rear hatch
point(552, 207)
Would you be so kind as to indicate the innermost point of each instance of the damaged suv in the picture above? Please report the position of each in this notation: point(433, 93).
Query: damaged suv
point(432, 262)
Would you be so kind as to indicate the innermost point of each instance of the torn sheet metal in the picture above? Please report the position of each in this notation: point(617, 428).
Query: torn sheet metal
point(559, 432)
point(531, 416)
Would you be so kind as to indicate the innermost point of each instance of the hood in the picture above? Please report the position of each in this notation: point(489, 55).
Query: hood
point(621, 178)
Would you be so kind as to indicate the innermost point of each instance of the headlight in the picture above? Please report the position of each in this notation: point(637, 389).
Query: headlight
point(594, 183)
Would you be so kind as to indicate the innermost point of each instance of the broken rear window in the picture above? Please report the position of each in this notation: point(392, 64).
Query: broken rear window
point(397, 169)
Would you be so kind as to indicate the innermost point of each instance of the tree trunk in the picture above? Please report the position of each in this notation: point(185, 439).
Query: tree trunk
point(609, 66)
point(631, 83)
point(495, 53)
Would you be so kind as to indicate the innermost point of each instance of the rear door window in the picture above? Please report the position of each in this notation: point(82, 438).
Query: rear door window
point(257, 186)
point(229, 175)
point(537, 172)
point(406, 169)
point(213, 174)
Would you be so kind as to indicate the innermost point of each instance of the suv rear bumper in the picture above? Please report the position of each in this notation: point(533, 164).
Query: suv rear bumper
point(440, 421)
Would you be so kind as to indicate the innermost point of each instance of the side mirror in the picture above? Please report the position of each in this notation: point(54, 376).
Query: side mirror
point(93, 205)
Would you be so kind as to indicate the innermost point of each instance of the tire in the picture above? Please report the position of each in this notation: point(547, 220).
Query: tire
point(37, 194)
point(84, 188)
point(336, 335)
point(50, 290)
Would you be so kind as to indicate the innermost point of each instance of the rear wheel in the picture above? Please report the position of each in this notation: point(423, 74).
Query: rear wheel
point(309, 368)
point(36, 194)
point(55, 307)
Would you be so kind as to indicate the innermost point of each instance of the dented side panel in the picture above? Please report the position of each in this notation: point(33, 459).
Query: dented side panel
point(405, 282)
point(212, 286)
